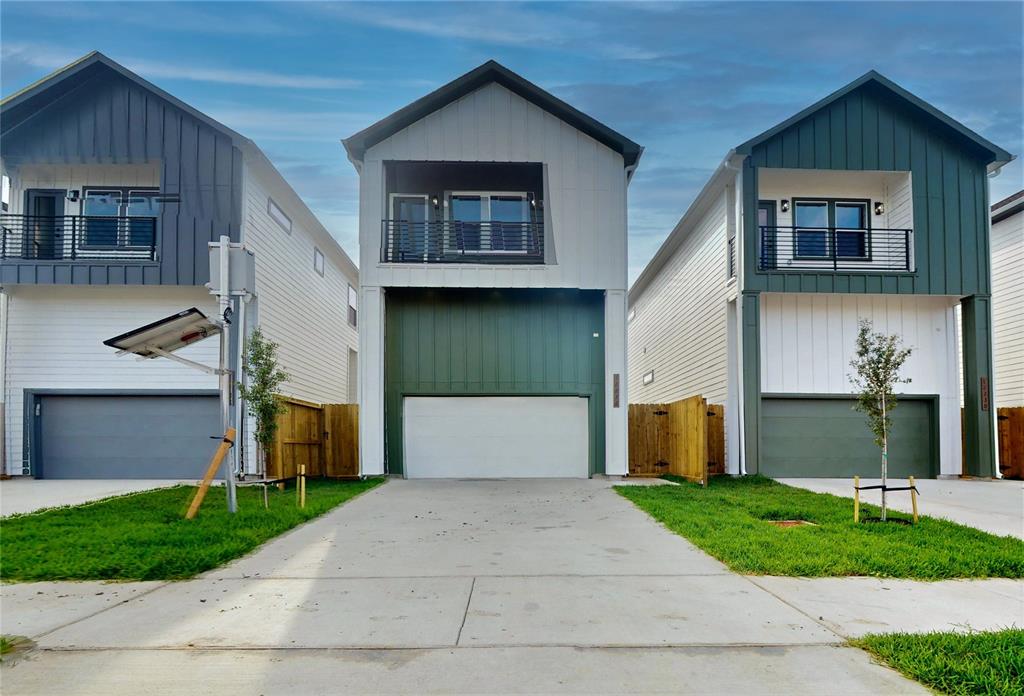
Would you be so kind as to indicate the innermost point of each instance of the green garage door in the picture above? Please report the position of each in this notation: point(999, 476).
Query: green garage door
point(823, 437)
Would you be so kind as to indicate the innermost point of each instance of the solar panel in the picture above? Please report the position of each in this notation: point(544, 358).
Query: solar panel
point(166, 335)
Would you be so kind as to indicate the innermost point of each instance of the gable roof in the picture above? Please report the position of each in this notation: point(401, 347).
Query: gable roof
point(491, 71)
point(24, 103)
point(998, 155)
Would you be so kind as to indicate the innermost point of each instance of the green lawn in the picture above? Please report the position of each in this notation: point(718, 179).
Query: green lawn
point(144, 536)
point(955, 663)
point(731, 520)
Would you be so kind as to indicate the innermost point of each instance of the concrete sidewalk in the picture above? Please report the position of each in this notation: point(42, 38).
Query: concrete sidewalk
point(995, 506)
point(21, 495)
point(465, 587)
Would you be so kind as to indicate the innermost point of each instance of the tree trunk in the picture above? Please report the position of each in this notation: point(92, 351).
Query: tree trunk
point(885, 456)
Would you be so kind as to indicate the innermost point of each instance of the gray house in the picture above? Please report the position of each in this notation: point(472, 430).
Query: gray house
point(112, 190)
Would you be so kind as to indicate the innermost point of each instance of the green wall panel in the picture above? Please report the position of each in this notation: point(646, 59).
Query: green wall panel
point(824, 437)
point(872, 129)
point(489, 343)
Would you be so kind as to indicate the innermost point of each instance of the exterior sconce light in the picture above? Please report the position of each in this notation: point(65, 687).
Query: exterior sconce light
point(434, 201)
point(784, 205)
point(72, 195)
point(879, 208)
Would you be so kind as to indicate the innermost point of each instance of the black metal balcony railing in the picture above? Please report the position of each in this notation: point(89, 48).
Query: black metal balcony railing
point(834, 249)
point(73, 237)
point(454, 241)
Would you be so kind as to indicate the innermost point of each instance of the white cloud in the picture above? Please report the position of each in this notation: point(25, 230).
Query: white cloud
point(51, 57)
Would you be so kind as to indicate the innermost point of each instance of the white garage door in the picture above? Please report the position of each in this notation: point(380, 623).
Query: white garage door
point(496, 437)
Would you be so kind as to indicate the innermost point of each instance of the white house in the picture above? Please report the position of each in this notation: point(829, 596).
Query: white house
point(868, 204)
point(112, 190)
point(493, 260)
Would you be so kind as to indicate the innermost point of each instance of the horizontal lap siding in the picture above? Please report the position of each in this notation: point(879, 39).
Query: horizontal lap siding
point(500, 342)
point(679, 323)
point(1008, 310)
point(871, 130)
point(111, 120)
point(302, 311)
point(54, 341)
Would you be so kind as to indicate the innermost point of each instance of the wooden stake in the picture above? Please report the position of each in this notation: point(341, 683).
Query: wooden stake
point(302, 486)
point(211, 471)
point(913, 497)
point(856, 498)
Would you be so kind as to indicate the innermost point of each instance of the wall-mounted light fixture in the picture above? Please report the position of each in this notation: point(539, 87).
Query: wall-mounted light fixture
point(784, 205)
point(434, 201)
point(879, 208)
point(72, 195)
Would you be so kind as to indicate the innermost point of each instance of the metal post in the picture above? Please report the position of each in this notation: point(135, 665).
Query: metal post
point(226, 381)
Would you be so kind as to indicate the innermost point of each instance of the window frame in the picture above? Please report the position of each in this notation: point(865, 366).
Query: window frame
point(319, 255)
point(830, 208)
point(486, 217)
point(353, 310)
point(272, 205)
point(123, 232)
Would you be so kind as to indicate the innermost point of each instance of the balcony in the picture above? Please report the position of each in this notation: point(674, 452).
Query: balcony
point(454, 241)
point(834, 249)
point(74, 238)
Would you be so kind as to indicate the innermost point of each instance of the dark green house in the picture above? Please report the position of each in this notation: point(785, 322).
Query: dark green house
point(870, 204)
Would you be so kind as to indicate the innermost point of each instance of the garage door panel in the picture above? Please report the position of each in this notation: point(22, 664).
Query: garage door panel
point(145, 437)
point(824, 437)
point(496, 437)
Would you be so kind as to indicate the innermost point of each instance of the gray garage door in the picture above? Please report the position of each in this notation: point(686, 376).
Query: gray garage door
point(140, 437)
point(827, 438)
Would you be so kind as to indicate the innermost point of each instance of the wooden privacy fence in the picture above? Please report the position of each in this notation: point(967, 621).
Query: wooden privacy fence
point(322, 437)
point(1010, 433)
point(685, 438)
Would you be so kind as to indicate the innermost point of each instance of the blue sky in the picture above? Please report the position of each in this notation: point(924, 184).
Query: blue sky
point(686, 80)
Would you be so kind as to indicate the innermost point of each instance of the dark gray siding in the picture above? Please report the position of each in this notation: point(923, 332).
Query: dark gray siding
point(107, 118)
point(873, 129)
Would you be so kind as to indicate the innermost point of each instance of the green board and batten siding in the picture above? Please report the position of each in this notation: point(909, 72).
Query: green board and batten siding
point(873, 129)
point(493, 343)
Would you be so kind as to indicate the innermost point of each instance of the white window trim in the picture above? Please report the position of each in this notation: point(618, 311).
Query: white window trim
point(271, 206)
point(353, 307)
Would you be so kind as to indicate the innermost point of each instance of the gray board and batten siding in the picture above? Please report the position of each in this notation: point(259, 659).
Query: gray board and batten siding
point(97, 113)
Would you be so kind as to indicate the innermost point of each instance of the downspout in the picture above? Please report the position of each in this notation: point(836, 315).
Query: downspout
point(4, 318)
point(728, 165)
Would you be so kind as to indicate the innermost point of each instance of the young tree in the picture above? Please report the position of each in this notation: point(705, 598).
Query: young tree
point(260, 393)
point(877, 365)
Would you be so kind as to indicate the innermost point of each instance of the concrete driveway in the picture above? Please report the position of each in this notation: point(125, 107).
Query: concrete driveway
point(995, 506)
point(21, 495)
point(443, 587)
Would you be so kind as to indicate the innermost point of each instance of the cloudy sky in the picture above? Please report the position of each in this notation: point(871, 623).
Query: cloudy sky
point(686, 80)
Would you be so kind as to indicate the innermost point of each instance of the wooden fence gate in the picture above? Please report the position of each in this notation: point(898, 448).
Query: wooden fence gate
point(323, 437)
point(1010, 433)
point(684, 438)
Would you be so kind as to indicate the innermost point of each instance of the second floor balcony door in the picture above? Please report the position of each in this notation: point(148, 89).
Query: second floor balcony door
point(45, 211)
point(410, 214)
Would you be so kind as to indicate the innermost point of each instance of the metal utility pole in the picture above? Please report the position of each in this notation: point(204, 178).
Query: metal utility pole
point(227, 381)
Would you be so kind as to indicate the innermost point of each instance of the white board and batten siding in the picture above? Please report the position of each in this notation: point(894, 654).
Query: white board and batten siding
point(808, 340)
point(584, 196)
point(678, 328)
point(55, 340)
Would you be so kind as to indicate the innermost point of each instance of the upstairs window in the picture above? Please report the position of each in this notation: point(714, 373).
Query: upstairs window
point(490, 222)
point(821, 224)
point(5, 193)
point(279, 216)
point(353, 306)
point(318, 261)
point(120, 216)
